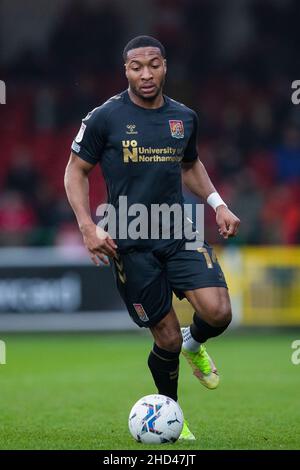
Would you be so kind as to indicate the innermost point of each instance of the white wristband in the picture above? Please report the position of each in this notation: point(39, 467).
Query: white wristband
point(215, 200)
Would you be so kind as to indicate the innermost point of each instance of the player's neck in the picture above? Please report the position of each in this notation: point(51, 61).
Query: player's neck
point(157, 102)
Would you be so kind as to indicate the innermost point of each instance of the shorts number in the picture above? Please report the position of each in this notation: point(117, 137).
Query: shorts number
point(209, 259)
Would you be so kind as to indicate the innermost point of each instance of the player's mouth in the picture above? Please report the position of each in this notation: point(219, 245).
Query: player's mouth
point(147, 89)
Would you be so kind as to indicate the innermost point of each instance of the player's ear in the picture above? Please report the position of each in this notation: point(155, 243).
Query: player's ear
point(125, 66)
point(165, 65)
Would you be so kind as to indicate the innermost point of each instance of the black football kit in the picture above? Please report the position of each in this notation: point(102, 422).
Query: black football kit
point(140, 152)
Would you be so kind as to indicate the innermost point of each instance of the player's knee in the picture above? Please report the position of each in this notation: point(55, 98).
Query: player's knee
point(220, 314)
point(174, 342)
point(171, 341)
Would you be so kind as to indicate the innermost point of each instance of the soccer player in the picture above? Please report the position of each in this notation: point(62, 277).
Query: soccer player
point(145, 143)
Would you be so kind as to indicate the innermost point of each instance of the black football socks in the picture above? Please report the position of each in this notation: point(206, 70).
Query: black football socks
point(202, 331)
point(164, 367)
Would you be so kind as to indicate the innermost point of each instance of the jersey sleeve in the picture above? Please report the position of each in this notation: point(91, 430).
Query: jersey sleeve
point(191, 152)
point(90, 139)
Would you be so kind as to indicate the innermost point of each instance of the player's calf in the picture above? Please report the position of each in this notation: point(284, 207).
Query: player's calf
point(164, 367)
point(218, 315)
point(201, 330)
point(163, 360)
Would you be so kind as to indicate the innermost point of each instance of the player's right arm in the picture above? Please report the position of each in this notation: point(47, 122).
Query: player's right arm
point(97, 241)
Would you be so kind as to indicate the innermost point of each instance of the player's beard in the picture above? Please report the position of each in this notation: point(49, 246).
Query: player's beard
point(150, 98)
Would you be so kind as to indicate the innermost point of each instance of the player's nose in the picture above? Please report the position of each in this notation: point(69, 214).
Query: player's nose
point(146, 73)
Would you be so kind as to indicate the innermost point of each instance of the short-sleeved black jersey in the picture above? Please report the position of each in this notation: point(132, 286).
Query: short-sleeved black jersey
point(140, 150)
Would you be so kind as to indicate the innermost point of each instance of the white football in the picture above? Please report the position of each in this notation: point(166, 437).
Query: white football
point(155, 419)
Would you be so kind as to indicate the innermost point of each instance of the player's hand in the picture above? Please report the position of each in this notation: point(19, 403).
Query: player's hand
point(227, 222)
point(99, 243)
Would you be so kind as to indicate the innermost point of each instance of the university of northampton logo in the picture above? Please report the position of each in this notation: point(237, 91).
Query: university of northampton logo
point(177, 129)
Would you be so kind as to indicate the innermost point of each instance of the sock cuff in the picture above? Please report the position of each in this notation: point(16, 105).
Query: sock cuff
point(197, 320)
point(201, 323)
point(202, 331)
point(165, 355)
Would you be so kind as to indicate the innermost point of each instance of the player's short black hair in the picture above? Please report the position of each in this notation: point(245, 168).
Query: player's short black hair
point(143, 41)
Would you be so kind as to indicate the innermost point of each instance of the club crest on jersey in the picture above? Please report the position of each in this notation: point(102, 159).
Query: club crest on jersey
point(177, 129)
point(141, 312)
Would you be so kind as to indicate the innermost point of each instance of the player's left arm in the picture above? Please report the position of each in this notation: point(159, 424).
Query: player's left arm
point(196, 179)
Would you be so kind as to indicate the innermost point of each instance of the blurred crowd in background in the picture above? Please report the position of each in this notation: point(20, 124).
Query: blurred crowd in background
point(233, 65)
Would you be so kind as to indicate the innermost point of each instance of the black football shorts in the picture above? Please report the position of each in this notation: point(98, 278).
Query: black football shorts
point(146, 280)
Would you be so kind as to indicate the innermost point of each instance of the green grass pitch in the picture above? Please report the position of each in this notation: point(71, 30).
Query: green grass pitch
point(75, 392)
